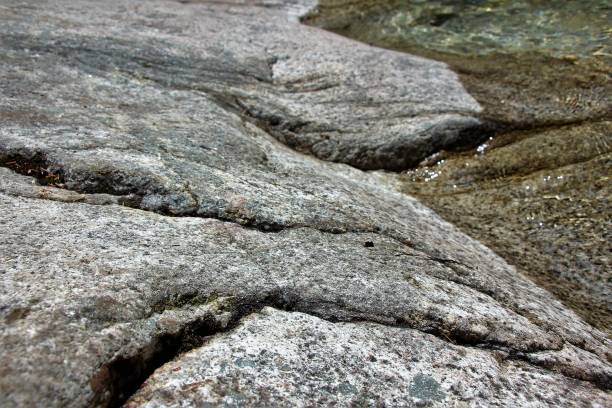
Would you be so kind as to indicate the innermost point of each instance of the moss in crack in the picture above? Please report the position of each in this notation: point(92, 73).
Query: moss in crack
point(115, 381)
point(181, 300)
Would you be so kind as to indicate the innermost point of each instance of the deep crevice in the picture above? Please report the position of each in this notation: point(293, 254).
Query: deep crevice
point(116, 381)
point(37, 164)
point(34, 165)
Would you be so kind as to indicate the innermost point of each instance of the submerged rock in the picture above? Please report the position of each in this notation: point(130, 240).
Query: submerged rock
point(542, 201)
point(536, 191)
point(149, 205)
point(482, 27)
point(528, 63)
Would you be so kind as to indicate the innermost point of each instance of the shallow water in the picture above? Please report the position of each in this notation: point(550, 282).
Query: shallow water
point(529, 63)
point(480, 27)
point(537, 191)
point(542, 202)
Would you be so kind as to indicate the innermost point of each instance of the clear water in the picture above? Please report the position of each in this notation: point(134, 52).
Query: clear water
point(557, 28)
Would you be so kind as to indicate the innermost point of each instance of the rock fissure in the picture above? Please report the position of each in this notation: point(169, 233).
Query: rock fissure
point(116, 381)
point(36, 164)
point(39, 166)
point(198, 115)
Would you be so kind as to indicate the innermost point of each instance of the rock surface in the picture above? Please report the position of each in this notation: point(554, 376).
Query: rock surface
point(276, 358)
point(319, 93)
point(98, 294)
point(146, 207)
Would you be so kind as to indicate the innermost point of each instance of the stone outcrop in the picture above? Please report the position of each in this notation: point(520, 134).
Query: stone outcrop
point(319, 93)
point(152, 198)
point(302, 360)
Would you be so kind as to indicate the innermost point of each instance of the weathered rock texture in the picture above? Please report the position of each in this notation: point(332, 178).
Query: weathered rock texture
point(96, 295)
point(290, 359)
point(147, 207)
point(318, 92)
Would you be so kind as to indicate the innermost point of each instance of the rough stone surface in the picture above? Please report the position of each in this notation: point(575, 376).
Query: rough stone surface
point(89, 290)
point(144, 208)
point(277, 358)
point(320, 93)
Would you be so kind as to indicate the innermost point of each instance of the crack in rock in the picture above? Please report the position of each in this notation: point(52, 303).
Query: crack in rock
point(460, 277)
point(117, 380)
point(149, 116)
point(224, 361)
point(38, 165)
point(329, 275)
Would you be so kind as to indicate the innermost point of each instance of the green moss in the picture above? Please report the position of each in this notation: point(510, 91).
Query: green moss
point(181, 300)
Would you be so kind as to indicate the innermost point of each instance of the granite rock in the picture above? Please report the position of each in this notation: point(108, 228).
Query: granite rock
point(100, 294)
point(315, 91)
point(147, 206)
point(276, 358)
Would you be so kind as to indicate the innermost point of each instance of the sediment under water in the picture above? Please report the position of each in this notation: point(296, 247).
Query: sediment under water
point(538, 190)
